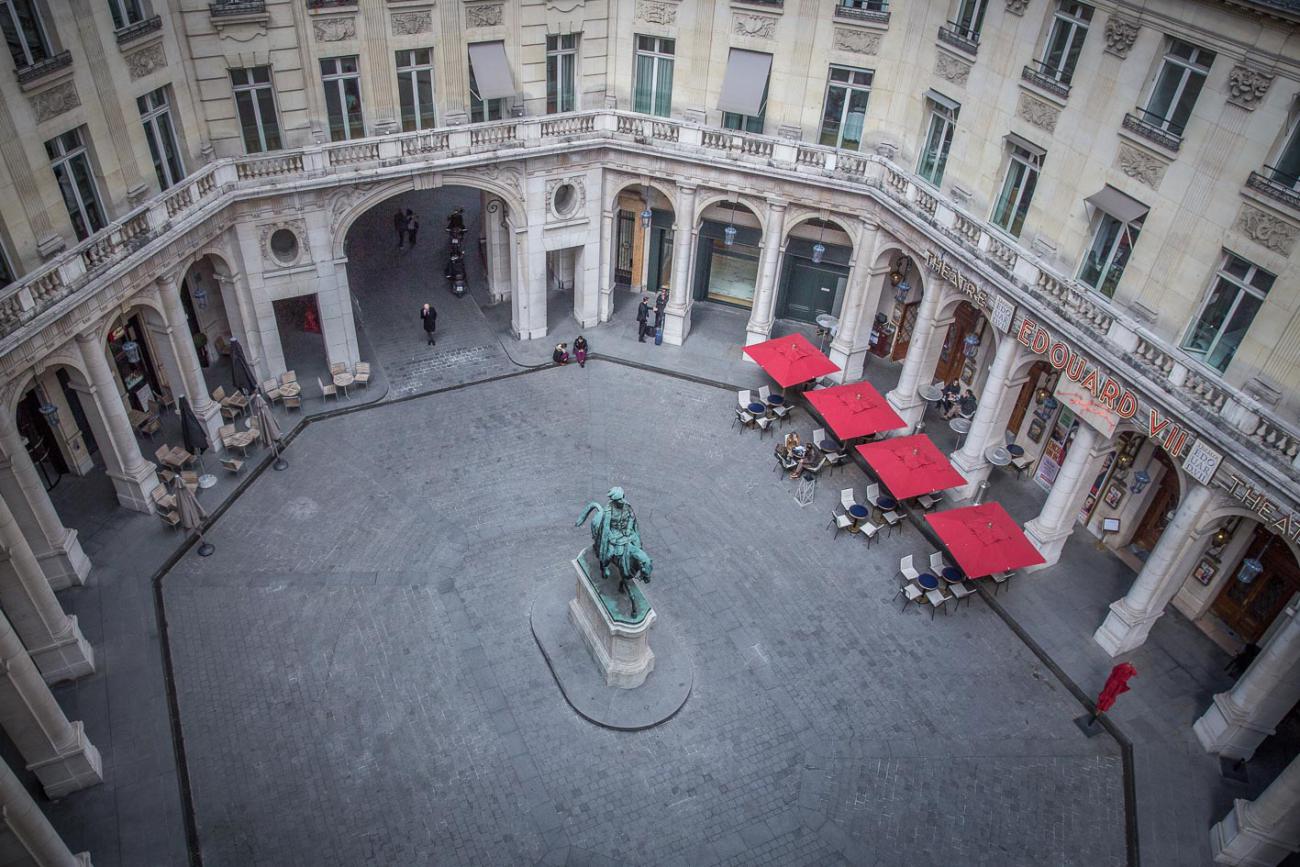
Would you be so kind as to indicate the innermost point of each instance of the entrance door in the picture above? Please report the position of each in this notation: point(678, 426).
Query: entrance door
point(1163, 502)
point(1026, 395)
point(623, 248)
point(1248, 609)
point(906, 322)
point(810, 291)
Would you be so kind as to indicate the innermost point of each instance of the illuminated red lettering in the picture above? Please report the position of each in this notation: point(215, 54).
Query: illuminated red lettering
point(1026, 328)
point(1074, 370)
point(1058, 355)
point(1041, 339)
point(1090, 382)
point(1155, 428)
point(1109, 392)
point(1128, 405)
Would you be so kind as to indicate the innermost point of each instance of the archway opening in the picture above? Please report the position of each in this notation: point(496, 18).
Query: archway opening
point(896, 310)
point(727, 255)
point(814, 272)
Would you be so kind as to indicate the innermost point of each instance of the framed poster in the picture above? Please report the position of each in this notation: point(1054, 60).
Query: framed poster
point(1115, 495)
point(1036, 428)
point(1206, 569)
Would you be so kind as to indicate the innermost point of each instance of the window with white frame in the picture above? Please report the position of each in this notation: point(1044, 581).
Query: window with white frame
point(652, 87)
point(71, 164)
point(255, 102)
point(481, 109)
point(938, 140)
point(561, 73)
point(1285, 168)
point(1023, 166)
point(1065, 41)
point(1112, 244)
point(342, 80)
point(844, 112)
point(970, 18)
point(748, 122)
point(125, 12)
point(156, 115)
point(24, 32)
point(415, 88)
point(1177, 85)
point(1234, 299)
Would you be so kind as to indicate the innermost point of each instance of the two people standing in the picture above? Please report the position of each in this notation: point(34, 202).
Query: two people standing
point(407, 225)
point(643, 315)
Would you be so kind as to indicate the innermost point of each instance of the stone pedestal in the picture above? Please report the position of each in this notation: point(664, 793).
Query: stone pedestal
point(618, 641)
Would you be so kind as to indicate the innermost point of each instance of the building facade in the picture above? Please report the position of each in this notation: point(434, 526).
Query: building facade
point(1086, 213)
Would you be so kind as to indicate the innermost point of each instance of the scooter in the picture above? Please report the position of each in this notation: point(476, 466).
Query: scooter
point(455, 274)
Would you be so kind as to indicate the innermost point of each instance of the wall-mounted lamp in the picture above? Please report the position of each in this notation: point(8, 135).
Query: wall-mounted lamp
point(198, 294)
point(971, 345)
point(819, 249)
point(1140, 480)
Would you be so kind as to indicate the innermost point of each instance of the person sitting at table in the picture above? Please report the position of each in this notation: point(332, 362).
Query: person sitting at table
point(967, 405)
point(949, 397)
point(810, 459)
point(561, 353)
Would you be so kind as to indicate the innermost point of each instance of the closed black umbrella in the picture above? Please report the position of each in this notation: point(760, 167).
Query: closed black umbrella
point(240, 369)
point(194, 437)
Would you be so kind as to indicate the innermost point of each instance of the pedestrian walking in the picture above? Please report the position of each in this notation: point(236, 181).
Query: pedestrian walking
point(580, 350)
point(412, 227)
point(399, 224)
point(429, 317)
point(642, 315)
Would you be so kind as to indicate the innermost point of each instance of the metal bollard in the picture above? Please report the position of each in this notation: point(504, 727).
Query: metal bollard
point(980, 491)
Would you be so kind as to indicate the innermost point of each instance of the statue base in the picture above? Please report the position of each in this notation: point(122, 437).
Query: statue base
point(630, 687)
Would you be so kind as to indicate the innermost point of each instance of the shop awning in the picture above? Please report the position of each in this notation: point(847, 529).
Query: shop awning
point(746, 78)
point(854, 410)
point(984, 540)
point(939, 99)
point(791, 360)
point(910, 466)
point(1021, 141)
point(491, 70)
point(1119, 205)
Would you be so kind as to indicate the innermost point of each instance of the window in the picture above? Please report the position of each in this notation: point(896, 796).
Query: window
point(7, 273)
point(481, 109)
point(342, 97)
point(1216, 332)
point(747, 122)
point(125, 12)
point(845, 110)
point(1178, 83)
point(1112, 243)
point(415, 88)
point(865, 5)
point(938, 139)
point(652, 91)
point(255, 101)
point(71, 165)
point(970, 18)
point(156, 115)
point(24, 32)
point(1286, 167)
point(1069, 28)
point(743, 99)
point(561, 72)
point(1017, 188)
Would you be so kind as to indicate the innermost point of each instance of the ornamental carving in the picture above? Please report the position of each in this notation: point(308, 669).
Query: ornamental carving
point(652, 12)
point(55, 101)
point(856, 41)
point(299, 229)
point(1266, 230)
point(951, 68)
point(574, 207)
point(1041, 114)
point(412, 23)
point(1140, 165)
point(757, 26)
point(334, 29)
point(1121, 33)
point(565, 5)
point(146, 60)
point(1246, 86)
point(484, 15)
point(1017, 7)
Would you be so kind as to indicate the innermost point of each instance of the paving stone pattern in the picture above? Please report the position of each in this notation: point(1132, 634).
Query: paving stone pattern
point(358, 683)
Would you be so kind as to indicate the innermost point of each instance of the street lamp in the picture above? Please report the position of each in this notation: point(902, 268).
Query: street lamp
point(647, 215)
point(972, 344)
point(819, 249)
point(198, 293)
point(132, 351)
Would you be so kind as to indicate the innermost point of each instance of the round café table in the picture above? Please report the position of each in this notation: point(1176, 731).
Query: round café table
point(343, 380)
point(997, 456)
point(757, 408)
point(927, 581)
point(961, 426)
point(1016, 451)
point(775, 399)
point(953, 575)
point(829, 446)
point(857, 513)
point(886, 504)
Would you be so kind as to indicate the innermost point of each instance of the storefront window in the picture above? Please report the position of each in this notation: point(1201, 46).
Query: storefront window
point(134, 366)
point(727, 273)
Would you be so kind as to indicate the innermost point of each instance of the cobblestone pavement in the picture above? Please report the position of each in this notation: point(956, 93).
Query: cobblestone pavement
point(358, 683)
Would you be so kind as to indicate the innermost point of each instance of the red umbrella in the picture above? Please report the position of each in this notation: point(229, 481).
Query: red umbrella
point(910, 466)
point(854, 410)
point(791, 360)
point(984, 539)
point(1115, 684)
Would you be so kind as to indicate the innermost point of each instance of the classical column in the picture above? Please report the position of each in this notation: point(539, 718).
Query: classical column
point(382, 110)
point(760, 319)
point(13, 152)
point(107, 98)
point(55, 750)
point(193, 383)
point(1240, 719)
point(605, 305)
point(52, 637)
point(916, 364)
point(33, 832)
point(1260, 833)
point(677, 314)
point(56, 547)
point(133, 477)
point(1056, 519)
point(996, 401)
point(452, 67)
point(498, 243)
point(1131, 618)
point(849, 348)
point(528, 301)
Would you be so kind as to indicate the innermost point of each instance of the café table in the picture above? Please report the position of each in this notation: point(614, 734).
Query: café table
point(757, 408)
point(290, 389)
point(829, 446)
point(775, 399)
point(857, 513)
point(1016, 451)
point(953, 575)
point(961, 426)
point(343, 380)
point(886, 503)
point(927, 581)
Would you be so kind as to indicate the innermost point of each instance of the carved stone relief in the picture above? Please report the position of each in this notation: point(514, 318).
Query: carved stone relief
point(1246, 86)
point(1121, 33)
point(299, 229)
point(757, 26)
point(334, 29)
point(575, 208)
point(1017, 7)
point(1140, 165)
point(55, 101)
point(856, 41)
point(1041, 114)
point(1266, 230)
point(565, 5)
point(951, 68)
point(652, 12)
point(146, 60)
point(412, 23)
point(484, 15)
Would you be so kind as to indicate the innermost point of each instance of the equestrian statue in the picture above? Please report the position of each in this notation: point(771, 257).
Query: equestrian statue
point(615, 540)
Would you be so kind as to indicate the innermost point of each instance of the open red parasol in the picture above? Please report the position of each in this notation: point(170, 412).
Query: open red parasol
point(910, 466)
point(855, 409)
point(984, 539)
point(791, 360)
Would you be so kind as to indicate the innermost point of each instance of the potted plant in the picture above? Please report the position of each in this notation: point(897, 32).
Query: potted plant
point(201, 346)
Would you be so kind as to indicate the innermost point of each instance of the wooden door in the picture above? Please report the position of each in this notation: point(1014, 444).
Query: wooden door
point(1248, 609)
point(1163, 501)
point(906, 322)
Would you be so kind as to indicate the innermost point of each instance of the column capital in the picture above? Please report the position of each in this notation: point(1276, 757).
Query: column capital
point(688, 188)
point(774, 204)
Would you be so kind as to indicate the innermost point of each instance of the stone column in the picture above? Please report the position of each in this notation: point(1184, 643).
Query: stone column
point(56, 547)
point(52, 637)
point(133, 477)
point(996, 401)
point(849, 348)
point(528, 300)
point(453, 65)
point(605, 305)
point(677, 314)
point(26, 193)
point(1055, 521)
point(1240, 719)
point(760, 319)
point(176, 329)
point(498, 243)
point(1131, 618)
point(916, 364)
point(34, 833)
point(1260, 833)
point(107, 99)
point(55, 750)
point(380, 87)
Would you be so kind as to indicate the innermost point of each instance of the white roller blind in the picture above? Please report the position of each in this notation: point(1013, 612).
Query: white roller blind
point(491, 70)
point(1122, 207)
point(746, 78)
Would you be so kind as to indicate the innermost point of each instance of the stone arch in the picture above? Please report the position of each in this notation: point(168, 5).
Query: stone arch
point(624, 182)
point(797, 217)
point(140, 299)
point(916, 276)
point(66, 356)
point(715, 196)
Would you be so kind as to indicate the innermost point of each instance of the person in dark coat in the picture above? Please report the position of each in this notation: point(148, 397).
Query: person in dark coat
point(580, 350)
point(642, 317)
point(561, 353)
point(412, 227)
point(399, 224)
point(430, 318)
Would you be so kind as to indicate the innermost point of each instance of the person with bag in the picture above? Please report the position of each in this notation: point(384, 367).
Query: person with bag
point(660, 303)
point(642, 319)
point(429, 317)
point(580, 350)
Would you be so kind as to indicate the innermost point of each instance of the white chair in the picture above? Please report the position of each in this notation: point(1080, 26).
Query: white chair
point(819, 435)
point(927, 502)
point(781, 411)
point(960, 592)
point(744, 417)
point(763, 422)
point(873, 493)
point(906, 569)
point(847, 498)
point(999, 579)
point(841, 521)
point(893, 519)
point(764, 393)
point(743, 398)
point(869, 531)
point(327, 390)
point(937, 599)
point(910, 593)
point(936, 563)
point(836, 459)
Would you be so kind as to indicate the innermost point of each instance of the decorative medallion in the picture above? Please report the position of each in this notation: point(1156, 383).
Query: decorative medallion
point(1266, 230)
point(1121, 33)
point(146, 60)
point(1246, 86)
point(1017, 7)
point(1041, 114)
point(951, 68)
point(334, 29)
point(1140, 165)
point(575, 197)
point(757, 26)
point(484, 15)
point(856, 41)
point(652, 12)
point(412, 23)
point(299, 230)
point(55, 101)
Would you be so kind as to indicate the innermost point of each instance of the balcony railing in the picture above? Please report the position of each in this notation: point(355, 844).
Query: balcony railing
point(961, 37)
point(1049, 78)
point(775, 4)
point(329, 4)
point(1234, 421)
point(132, 32)
point(1155, 128)
point(42, 68)
point(231, 8)
point(875, 11)
point(1277, 185)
